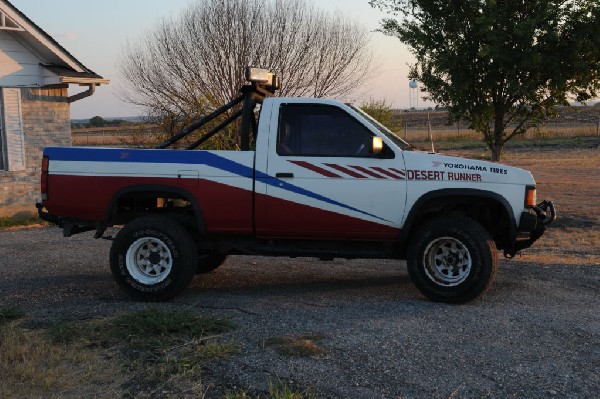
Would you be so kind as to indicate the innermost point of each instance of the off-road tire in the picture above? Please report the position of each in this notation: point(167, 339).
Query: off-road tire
point(153, 258)
point(207, 262)
point(452, 259)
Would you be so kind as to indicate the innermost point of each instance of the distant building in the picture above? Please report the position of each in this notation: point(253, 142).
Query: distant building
point(35, 74)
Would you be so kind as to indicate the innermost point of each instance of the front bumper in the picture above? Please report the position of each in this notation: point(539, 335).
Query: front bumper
point(532, 226)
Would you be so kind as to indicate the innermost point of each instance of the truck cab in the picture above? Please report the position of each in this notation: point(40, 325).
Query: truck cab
point(323, 175)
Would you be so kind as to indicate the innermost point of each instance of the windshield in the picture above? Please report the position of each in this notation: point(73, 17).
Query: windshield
point(387, 132)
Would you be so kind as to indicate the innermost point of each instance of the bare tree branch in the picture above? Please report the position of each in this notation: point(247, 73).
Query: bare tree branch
point(195, 62)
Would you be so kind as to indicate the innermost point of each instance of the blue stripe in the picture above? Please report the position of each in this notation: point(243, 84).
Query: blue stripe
point(184, 157)
point(147, 156)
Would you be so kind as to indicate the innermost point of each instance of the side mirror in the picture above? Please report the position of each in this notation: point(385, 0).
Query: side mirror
point(376, 145)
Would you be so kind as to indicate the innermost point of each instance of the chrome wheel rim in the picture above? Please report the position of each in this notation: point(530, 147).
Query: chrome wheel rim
point(447, 261)
point(149, 261)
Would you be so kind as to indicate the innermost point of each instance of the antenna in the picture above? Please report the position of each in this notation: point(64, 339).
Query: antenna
point(429, 133)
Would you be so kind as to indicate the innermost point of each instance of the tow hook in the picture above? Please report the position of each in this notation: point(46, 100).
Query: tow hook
point(546, 215)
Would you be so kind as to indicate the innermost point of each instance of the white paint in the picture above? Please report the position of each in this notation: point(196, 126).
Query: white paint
point(19, 66)
point(13, 129)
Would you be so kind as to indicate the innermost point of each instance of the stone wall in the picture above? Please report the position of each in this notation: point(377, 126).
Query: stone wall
point(46, 122)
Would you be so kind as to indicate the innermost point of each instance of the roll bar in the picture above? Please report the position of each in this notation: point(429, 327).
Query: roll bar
point(262, 84)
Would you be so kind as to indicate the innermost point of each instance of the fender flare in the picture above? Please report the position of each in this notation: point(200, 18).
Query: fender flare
point(156, 188)
point(457, 193)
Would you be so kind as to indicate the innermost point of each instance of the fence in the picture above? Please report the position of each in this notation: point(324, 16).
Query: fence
point(114, 136)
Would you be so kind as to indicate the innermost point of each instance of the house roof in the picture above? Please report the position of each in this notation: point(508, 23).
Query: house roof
point(57, 59)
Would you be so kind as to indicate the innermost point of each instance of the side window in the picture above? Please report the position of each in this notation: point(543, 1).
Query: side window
point(321, 130)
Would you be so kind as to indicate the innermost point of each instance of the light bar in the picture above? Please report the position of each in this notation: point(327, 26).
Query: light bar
point(263, 78)
point(258, 75)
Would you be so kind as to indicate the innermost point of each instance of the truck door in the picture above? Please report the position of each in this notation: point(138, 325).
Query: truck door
point(322, 179)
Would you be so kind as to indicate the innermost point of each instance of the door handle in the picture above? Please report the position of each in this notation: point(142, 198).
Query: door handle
point(284, 175)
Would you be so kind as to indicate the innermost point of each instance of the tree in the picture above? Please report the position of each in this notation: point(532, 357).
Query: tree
point(98, 121)
point(501, 65)
point(191, 64)
point(383, 112)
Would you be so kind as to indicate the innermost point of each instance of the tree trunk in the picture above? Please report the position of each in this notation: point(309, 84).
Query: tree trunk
point(496, 151)
point(497, 144)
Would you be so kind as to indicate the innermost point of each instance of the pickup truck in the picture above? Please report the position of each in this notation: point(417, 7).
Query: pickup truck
point(314, 178)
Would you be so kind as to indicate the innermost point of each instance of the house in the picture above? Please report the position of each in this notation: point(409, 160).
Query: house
point(36, 75)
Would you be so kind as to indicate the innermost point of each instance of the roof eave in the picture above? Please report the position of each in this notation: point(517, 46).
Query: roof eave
point(83, 81)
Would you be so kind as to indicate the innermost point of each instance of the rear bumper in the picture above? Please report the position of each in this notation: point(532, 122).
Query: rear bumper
point(69, 226)
point(47, 216)
point(532, 226)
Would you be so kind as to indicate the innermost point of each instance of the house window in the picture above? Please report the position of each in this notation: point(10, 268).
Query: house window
point(321, 130)
point(12, 140)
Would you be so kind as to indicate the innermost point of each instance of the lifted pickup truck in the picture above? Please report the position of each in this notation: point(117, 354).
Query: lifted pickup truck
point(314, 178)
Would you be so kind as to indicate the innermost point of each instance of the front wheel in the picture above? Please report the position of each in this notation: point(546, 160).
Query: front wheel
point(153, 258)
point(452, 259)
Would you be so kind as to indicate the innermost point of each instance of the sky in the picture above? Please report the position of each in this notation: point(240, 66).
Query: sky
point(95, 32)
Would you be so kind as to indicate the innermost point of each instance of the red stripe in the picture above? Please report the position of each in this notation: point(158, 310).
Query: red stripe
point(291, 220)
point(388, 173)
point(346, 171)
point(315, 168)
point(400, 172)
point(225, 209)
point(368, 172)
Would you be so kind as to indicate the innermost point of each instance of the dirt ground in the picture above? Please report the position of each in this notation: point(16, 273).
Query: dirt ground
point(535, 334)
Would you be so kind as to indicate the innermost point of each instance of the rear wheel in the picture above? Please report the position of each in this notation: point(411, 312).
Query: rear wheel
point(153, 258)
point(452, 259)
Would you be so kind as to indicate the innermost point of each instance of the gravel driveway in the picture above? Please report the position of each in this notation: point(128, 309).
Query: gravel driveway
point(536, 334)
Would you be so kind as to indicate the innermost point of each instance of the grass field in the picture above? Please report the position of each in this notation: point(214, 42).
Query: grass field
point(159, 352)
point(420, 134)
